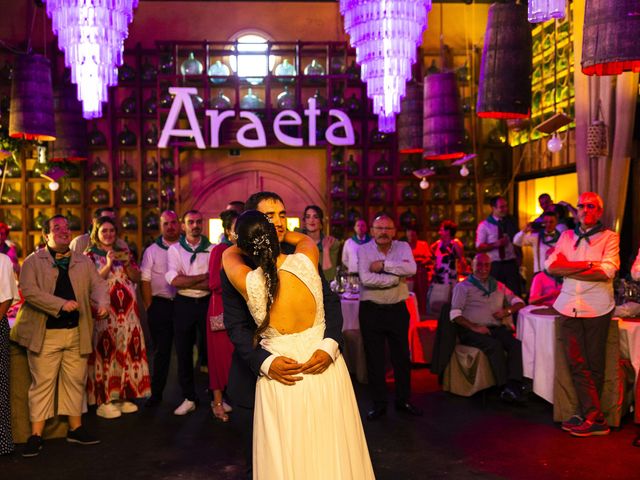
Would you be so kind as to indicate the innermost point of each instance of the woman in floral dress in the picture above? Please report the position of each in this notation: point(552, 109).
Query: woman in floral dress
point(118, 368)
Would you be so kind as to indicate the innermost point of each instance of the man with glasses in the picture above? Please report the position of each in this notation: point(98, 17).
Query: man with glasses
point(383, 267)
point(588, 258)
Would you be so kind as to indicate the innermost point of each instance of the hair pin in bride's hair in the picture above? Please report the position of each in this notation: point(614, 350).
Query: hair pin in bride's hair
point(260, 242)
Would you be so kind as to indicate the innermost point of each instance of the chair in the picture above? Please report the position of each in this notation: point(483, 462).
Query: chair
point(617, 390)
point(462, 370)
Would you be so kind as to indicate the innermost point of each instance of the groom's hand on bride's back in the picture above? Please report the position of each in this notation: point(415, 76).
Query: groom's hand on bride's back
point(285, 370)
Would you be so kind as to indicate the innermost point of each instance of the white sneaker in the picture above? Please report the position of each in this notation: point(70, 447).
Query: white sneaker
point(108, 410)
point(185, 407)
point(227, 408)
point(127, 407)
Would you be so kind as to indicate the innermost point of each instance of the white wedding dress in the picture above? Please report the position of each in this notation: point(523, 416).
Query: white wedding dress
point(310, 430)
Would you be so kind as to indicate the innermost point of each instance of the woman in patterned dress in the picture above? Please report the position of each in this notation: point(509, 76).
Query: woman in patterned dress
point(118, 368)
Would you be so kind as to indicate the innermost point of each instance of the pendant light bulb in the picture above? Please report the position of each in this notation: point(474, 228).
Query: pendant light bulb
point(554, 144)
point(464, 171)
point(54, 186)
point(424, 184)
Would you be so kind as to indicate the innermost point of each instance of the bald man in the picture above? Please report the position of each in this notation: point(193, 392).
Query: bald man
point(482, 308)
point(588, 258)
point(157, 297)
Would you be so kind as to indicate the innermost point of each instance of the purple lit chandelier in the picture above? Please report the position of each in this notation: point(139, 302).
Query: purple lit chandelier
point(385, 34)
point(543, 10)
point(91, 33)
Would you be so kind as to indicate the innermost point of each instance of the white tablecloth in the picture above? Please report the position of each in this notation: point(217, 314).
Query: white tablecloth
point(536, 330)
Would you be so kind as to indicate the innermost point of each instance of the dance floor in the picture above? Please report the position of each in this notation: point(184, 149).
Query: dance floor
point(458, 438)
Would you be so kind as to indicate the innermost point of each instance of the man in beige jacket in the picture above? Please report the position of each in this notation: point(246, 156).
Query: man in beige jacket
point(60, 287)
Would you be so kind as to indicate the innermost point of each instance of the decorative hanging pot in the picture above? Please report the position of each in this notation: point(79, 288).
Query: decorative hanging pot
point(409, 121)
point(504, 89)
point(597, 144)
point(71, 127)
point(32, 99)
point(610, 43)
point(443, 125)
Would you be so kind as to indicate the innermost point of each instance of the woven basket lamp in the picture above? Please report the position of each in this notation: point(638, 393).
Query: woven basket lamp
point(32, 99)
point(610, 42)
point(504, 90)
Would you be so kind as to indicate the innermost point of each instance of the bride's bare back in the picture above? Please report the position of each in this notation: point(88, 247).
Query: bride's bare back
point(294, 308)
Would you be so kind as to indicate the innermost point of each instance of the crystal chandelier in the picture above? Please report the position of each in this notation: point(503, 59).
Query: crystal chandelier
point(385, 34)
point(91, 33)
point(543, 10)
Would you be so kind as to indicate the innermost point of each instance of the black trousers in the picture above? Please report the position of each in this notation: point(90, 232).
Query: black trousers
point(160, 319)
point(189, 317)
point(495, 345)
point(391, 323)
point(242, 422)
point(584, 342)
point(507, 272)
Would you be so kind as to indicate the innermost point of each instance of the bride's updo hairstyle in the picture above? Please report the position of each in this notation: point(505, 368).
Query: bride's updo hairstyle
point(257, 238)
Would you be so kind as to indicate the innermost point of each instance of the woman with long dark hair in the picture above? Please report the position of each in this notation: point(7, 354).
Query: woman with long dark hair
point(309, 428)
point(329, 247)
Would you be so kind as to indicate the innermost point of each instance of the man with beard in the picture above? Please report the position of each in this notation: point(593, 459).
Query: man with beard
point(157, 297)
point(251, 361)
point(383, 267)
point(188, 273)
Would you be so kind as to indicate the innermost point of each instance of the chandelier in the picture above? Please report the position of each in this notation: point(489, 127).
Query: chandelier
point(544, 10)
point(385, 34)
point(91, 33)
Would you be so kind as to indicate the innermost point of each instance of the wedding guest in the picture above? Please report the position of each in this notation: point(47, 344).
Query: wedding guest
point(55, 325)
point(540, 239)
point(118, 368)
point(82, 242)
point(384, 265)
point(8, 248)
point(588, 259)
point(545, 288)
point(8, 294)
point(158, 296)
point(312, 225)
point(423, 257)
point(449, 262)
point(494, 237)
point(219, 347)
point(352, 244)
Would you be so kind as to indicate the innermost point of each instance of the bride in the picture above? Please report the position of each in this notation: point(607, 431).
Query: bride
point(310, 429)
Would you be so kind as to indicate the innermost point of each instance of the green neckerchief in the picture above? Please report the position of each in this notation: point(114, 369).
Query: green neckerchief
point(598, 228)
point(225, 240)
point(201, 248)
point(493, 285)
point(367, 239)
point(158, 241)
point(97, 251)
point(60, 260)
point(553, 241)
point(493, 221)
point(558, 280)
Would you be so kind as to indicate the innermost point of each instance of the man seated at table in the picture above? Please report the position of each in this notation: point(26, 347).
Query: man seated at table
point(482, 308)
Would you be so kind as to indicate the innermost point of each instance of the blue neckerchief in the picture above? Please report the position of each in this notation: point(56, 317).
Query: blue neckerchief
point(493, 285)
point(598, 228)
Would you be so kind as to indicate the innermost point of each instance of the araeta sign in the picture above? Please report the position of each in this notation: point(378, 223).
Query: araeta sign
point(182, 100)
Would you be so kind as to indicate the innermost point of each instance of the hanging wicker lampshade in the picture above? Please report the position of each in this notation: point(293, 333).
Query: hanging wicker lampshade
point(71, 128)
point(443, 122)
point(409, 121)
point(610, 43)
point(32, 99)
point(504, 89)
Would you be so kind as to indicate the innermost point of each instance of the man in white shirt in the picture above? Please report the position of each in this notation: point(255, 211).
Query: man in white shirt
point(351, 246)
point(588, 259)
point(188, 273)
point(540, 239)
point(157, 297)
point(383, 266)
point(494, 237)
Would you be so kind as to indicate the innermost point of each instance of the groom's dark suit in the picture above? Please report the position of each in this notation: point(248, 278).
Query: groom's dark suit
point(247, 359)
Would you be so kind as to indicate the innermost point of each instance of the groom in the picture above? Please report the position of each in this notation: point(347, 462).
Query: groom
point(249, 362)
